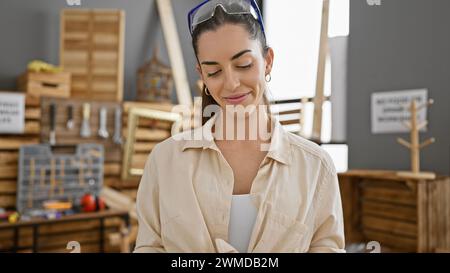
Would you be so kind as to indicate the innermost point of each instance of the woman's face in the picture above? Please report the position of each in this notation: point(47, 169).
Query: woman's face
point(232, 66)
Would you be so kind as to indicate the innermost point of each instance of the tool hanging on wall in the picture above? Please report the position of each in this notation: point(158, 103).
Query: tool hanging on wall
point(85, 128)
point(117, 138)
point(69, 123)
point(102, 130)
point(52, 112)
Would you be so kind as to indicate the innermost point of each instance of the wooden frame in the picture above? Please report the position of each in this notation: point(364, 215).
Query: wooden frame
point(133, 117)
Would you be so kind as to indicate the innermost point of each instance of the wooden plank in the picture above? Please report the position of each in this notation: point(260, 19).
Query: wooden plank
point(14, 143)
point(32, 101)
point(116, 182)
point(121, 56)
point(423, 227)
point(389, 225)
point(141, 147)
point(388, 210)
point(8, 171)
point(7, 157)
point(289, 122)
point(401, 243)
point(32, 113)
point(8, 187)
point(389, 195)
point(150, 135)
point(168, 24)
point(32, 127)
point(155, 106)
point(351, 209)
point(320, 79)
point(7, 201)
point(376, 174)
point(446, 203)
point(150, 124)
point(112, 169)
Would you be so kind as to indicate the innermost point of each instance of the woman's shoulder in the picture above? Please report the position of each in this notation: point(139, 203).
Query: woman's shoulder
point(303, 147)
point(173, 145)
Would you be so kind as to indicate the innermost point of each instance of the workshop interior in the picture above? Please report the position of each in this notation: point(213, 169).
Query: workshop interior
point(87, 89)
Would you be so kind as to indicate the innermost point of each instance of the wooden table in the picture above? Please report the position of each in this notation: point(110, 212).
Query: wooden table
point(35, 224)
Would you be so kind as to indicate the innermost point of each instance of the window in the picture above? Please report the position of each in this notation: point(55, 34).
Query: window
point(293, 30)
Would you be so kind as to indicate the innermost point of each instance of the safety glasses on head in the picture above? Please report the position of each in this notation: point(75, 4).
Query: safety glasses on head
point(205, 11)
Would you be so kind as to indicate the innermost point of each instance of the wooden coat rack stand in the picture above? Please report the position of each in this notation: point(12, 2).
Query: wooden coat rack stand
point(414, 145)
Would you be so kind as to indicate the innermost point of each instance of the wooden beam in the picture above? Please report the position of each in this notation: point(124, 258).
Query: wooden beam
point(320, 79)
point(169, 27)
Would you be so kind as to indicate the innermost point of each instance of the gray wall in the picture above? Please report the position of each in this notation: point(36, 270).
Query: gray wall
point(402, 44)
point(30, 30)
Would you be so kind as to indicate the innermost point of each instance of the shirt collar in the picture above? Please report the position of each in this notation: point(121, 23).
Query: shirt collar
point(279, 147)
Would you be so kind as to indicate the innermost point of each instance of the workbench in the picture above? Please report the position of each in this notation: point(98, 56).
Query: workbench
point(37, 224)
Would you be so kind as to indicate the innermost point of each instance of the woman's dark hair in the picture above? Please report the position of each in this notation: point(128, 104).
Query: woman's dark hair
point(220, 18)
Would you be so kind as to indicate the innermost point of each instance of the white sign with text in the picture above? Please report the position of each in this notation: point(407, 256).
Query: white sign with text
point(12, 113)
point(390, 110)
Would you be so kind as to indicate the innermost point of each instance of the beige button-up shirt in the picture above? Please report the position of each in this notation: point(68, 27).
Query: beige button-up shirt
point(185, 193)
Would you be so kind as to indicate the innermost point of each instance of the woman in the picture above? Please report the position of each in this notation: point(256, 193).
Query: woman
point(275, 192)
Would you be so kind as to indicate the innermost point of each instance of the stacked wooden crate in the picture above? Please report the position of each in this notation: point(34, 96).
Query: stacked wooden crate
point(9, 152)
point(92, 49)
point(403, 215)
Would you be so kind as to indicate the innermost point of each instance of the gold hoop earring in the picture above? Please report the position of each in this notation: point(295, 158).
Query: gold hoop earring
point(207, 92)
point(270, 77)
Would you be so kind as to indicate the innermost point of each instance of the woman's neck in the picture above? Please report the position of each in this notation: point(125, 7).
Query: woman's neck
point(248, 126)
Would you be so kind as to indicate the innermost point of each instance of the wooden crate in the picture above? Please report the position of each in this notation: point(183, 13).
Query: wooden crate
point(404, 215)
point(45, 84)
point(92, 49)
point(9, 151)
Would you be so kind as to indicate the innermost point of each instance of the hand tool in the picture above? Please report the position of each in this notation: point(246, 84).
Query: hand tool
point(117, 138)
point(102, 130)
point(69, 123)
point(85, 128)
point(52, 115)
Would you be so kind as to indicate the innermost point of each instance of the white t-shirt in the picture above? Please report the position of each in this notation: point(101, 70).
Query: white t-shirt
point(242, 219)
